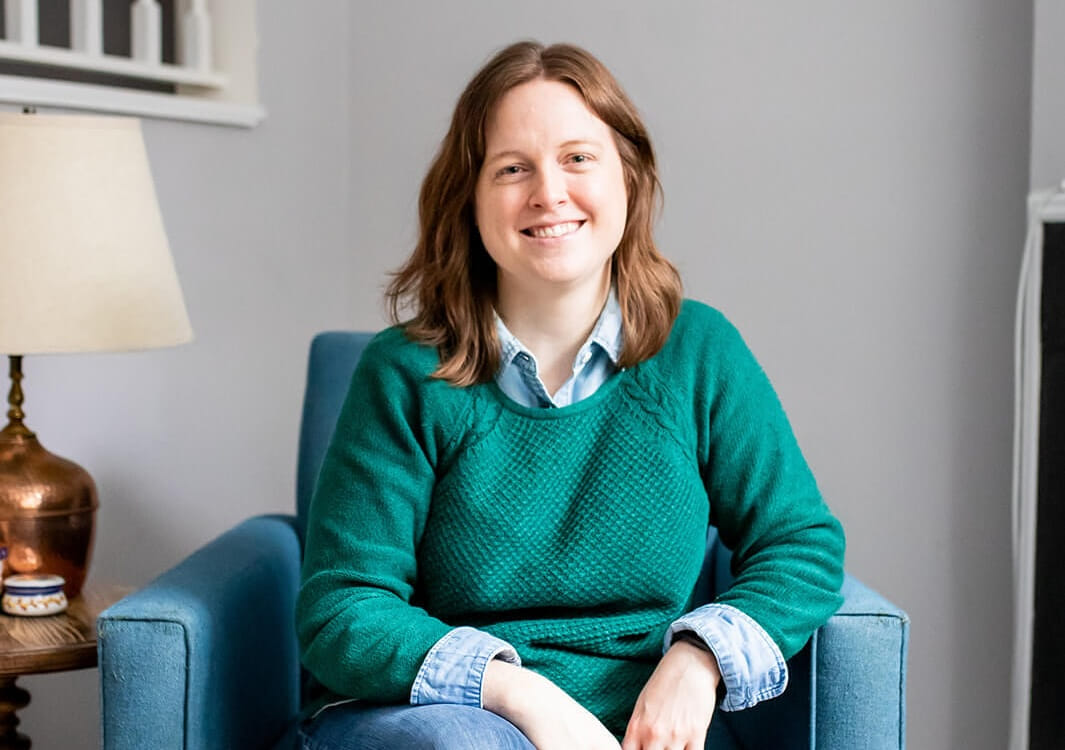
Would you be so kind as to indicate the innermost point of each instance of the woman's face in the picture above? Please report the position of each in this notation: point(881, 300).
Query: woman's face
point(550, 200)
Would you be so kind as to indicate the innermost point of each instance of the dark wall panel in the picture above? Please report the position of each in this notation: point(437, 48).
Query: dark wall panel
point(1048, 657)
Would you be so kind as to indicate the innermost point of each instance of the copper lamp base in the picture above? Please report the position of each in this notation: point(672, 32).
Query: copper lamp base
point(47, 503)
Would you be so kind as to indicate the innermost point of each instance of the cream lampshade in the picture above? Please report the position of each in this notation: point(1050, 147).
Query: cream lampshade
point(84, 266)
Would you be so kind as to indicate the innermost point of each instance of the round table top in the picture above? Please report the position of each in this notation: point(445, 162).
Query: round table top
point(56, 643)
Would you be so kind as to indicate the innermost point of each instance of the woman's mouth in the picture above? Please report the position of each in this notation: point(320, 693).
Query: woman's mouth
point(552, 231)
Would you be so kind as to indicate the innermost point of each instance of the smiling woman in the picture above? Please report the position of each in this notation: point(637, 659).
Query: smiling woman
point(451, 280)
point(510, 521)
point(550, 207)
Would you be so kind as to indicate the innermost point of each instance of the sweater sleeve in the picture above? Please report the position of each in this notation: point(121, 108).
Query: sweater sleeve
point(787, 546)
point(358, 631)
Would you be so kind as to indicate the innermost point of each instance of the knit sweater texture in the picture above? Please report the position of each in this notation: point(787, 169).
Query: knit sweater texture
point(575, 534)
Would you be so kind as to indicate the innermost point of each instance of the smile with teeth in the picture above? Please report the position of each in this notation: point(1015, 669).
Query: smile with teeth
point(553, 230)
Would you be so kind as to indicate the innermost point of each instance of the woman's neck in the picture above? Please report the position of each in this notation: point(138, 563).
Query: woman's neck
point(553, 326)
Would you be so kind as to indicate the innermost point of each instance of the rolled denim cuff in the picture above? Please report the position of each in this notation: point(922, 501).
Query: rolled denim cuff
point(453, 670)
point(752, 667)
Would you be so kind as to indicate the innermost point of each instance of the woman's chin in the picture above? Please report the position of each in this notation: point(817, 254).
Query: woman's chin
point(559, 279)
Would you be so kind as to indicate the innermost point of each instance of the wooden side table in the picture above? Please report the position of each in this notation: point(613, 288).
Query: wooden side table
point(52, 643)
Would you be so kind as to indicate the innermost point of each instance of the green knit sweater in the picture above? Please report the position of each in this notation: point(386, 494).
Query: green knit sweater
point(576, 534)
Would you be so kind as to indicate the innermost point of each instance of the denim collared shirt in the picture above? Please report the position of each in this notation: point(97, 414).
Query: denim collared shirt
point(596, 361)
point(752, 667)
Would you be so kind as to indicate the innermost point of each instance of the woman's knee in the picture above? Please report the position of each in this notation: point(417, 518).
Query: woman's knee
point(450, 727)
point(432, 727)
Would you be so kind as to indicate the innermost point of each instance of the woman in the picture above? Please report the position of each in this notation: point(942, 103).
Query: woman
point(511, 518)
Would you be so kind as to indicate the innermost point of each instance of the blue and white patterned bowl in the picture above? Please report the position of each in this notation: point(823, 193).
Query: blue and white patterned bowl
point(33, 595)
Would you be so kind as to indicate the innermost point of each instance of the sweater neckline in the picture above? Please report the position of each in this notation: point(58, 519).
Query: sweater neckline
point(560, 412)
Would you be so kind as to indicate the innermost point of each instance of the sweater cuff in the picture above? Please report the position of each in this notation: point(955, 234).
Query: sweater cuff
point(752, 667)
point(453, 670)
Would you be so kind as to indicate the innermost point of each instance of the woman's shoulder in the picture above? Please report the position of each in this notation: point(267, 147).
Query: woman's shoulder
point(700, 312)
point(701, 324)
point(393, 351)
point(703, 348)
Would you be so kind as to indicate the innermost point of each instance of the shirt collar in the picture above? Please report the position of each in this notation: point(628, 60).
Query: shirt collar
point(510, 346)
point(607, 332)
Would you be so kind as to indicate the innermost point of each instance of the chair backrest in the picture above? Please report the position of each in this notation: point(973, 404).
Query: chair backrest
point(330, 365)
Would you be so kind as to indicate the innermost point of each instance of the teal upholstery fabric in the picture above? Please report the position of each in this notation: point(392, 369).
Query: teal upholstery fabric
point(847, 687)
point(860, 678)
point(205, 656)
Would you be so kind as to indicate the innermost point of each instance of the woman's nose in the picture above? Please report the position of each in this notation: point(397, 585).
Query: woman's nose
point(549, 190)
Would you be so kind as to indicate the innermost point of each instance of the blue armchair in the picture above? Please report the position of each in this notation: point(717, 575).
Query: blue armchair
point(205, 656)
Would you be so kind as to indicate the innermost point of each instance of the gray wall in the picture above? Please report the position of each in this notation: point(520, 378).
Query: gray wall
point(846, 181)
point(1048, 101)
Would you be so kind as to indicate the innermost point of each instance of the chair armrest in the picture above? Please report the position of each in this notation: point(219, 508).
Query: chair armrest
point(846, 688)
point(860, 675)
point(205, 655)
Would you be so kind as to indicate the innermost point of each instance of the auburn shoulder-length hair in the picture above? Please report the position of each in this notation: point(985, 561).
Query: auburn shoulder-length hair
point(449, 281)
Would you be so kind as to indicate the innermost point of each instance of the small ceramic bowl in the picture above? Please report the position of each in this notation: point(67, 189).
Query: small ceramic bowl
point(33, 595)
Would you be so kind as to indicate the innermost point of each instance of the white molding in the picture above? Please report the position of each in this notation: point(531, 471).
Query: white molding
point(1044, 206)
point(1050, 204)
point(19, 90)
point(146, 33)
point(20, 21)
point(87, 27)
point(125, 66)
point(194, 35)
point(225, 94)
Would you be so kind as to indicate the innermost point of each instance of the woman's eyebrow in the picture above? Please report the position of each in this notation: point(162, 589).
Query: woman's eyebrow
point(581, 142)
point(508, 154)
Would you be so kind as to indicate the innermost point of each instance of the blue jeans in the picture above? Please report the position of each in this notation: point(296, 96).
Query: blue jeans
point(439, 726)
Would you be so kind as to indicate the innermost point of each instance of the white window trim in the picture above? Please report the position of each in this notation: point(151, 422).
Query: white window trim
point(234, 102)
point(41, 92)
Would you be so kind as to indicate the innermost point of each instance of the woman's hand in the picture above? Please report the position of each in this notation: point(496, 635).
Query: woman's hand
point(674, 709)
point(549, 717)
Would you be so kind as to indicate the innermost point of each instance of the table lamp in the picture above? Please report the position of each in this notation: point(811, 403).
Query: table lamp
point(84, 267)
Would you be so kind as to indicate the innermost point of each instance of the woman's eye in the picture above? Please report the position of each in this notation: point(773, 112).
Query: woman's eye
point(510, 169)
point(580, 158)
